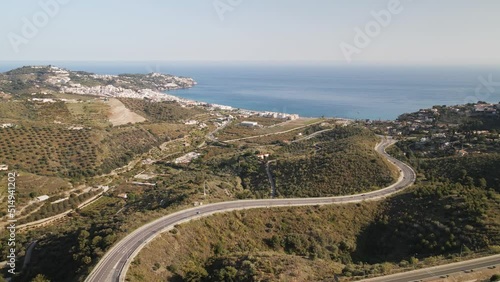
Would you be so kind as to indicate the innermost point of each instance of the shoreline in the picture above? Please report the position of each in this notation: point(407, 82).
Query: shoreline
point(62, 78)
point(162, 87)
point(242, 110)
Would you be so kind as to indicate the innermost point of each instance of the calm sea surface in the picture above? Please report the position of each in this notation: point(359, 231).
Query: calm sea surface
point(359, 92)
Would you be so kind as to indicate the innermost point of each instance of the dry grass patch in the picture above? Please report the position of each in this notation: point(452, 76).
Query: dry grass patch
point(27, 183)
point(5, 95)
point(120, 115)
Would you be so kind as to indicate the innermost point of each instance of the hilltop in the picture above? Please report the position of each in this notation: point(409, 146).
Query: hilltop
point(46, 79)
point(57, 122)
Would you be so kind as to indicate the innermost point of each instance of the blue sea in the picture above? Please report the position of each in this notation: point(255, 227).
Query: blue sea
point(348, 91)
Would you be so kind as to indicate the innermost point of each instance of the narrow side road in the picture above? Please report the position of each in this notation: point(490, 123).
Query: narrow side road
point(437, 271)
point(271, 180)
point(29, 251)
point(270, 134)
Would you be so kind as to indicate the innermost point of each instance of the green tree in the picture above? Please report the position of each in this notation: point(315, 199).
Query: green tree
point(86, 260)
point(227, 274)
point(218, 249)
point(40, 278)
point(275, 242)
point(413, 261)
point(196, 275)
point(96, 241)
point(483, 183)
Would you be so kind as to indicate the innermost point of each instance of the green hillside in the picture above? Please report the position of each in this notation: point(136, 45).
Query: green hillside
point(428, 223)
point(337, 162)
point(452, 212)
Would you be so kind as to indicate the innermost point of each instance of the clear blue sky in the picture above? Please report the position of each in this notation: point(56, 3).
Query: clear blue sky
point(426, 31)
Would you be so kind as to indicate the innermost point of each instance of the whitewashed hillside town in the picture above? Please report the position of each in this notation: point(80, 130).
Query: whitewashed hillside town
point(70, 82)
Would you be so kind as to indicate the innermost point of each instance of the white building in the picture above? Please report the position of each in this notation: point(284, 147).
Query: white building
point(44, 100)
point(187, 158)
point(191, 122)
point(249, 123)
point(263, 156)
point(42, 198)
point(4, 167)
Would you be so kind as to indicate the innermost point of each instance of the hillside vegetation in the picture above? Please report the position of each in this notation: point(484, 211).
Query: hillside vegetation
point(433, 219)
point(160, 111)
point(453, 211)
point(75, 140)
point(49, 150)
point(425, 225)
point(255, 245)
point(482, 170)
point(122, 144)
point(338, 162)
point(64, 145)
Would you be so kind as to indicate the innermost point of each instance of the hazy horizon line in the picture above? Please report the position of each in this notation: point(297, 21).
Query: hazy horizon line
point(276, 62)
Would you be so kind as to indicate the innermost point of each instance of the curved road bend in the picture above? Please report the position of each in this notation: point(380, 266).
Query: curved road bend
point(114, 264)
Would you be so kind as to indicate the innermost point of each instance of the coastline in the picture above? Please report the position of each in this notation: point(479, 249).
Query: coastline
point(213, 106)
point(133, 86)
point(309, 92)
point(353, 93)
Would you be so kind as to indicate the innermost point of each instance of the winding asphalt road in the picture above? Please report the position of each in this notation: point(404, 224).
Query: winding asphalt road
point(114, 264)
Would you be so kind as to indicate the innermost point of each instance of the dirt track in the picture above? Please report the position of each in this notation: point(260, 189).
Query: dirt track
point(119, 114)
